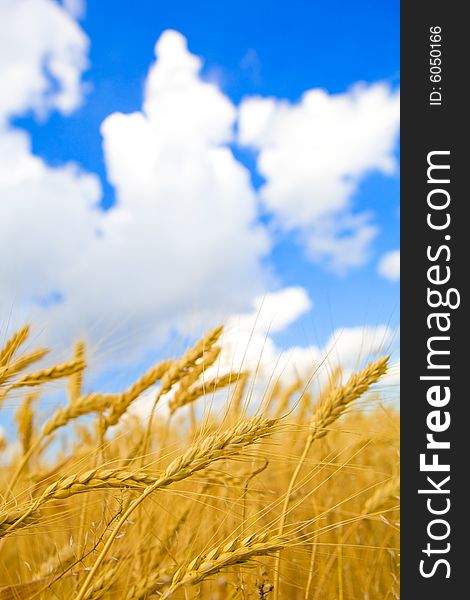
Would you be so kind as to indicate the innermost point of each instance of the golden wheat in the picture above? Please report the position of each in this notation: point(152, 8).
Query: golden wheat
point(330, 407)
point(255, 503)
point(234, 552)
point(12, 345)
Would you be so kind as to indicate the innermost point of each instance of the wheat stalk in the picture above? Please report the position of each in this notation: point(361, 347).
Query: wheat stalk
point(239, 393)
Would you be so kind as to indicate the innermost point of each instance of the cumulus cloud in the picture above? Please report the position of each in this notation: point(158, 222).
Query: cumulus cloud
point(42, 57)
point(389, 265)
point(248, 342)
point(47, 220)
point(180, 245)
point(184, 228)
point(47, 216)
point(314, 155)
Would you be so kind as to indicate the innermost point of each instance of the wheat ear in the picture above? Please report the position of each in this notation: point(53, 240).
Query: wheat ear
point(180, 369)
point(24, 418)
point(214, 447)
point(102, 582)
point(11, 369)
point(61, 417)
point(58, 560)
point(382, 495)
point(45, 375)
point(122, 401)
point(235, 552)
point(185, 397)
point(10, 518)
point(76, 484)
point(330, 407)
point(24, 591)
point(149, 584)
point(209, 357)
point(12, 345)
point(305, 405)
point(76, 379)
point(181, 366)
point(82, 406)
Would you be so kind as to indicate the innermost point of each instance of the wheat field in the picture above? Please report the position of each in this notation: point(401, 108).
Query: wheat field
point(288, 494)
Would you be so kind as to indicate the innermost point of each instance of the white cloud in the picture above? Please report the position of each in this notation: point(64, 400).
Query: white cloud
point(314, 154)
point(180, 107)
point(47, 220)
point(247, 341)
point(180, 247)
point(183, 234)
point(273, 312)
point(349, 346)
point(42, 57)
point(47, 216)
point(389, 265)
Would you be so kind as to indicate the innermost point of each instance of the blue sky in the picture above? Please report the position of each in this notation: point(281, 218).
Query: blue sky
point(274, 52)
point(273, 49)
